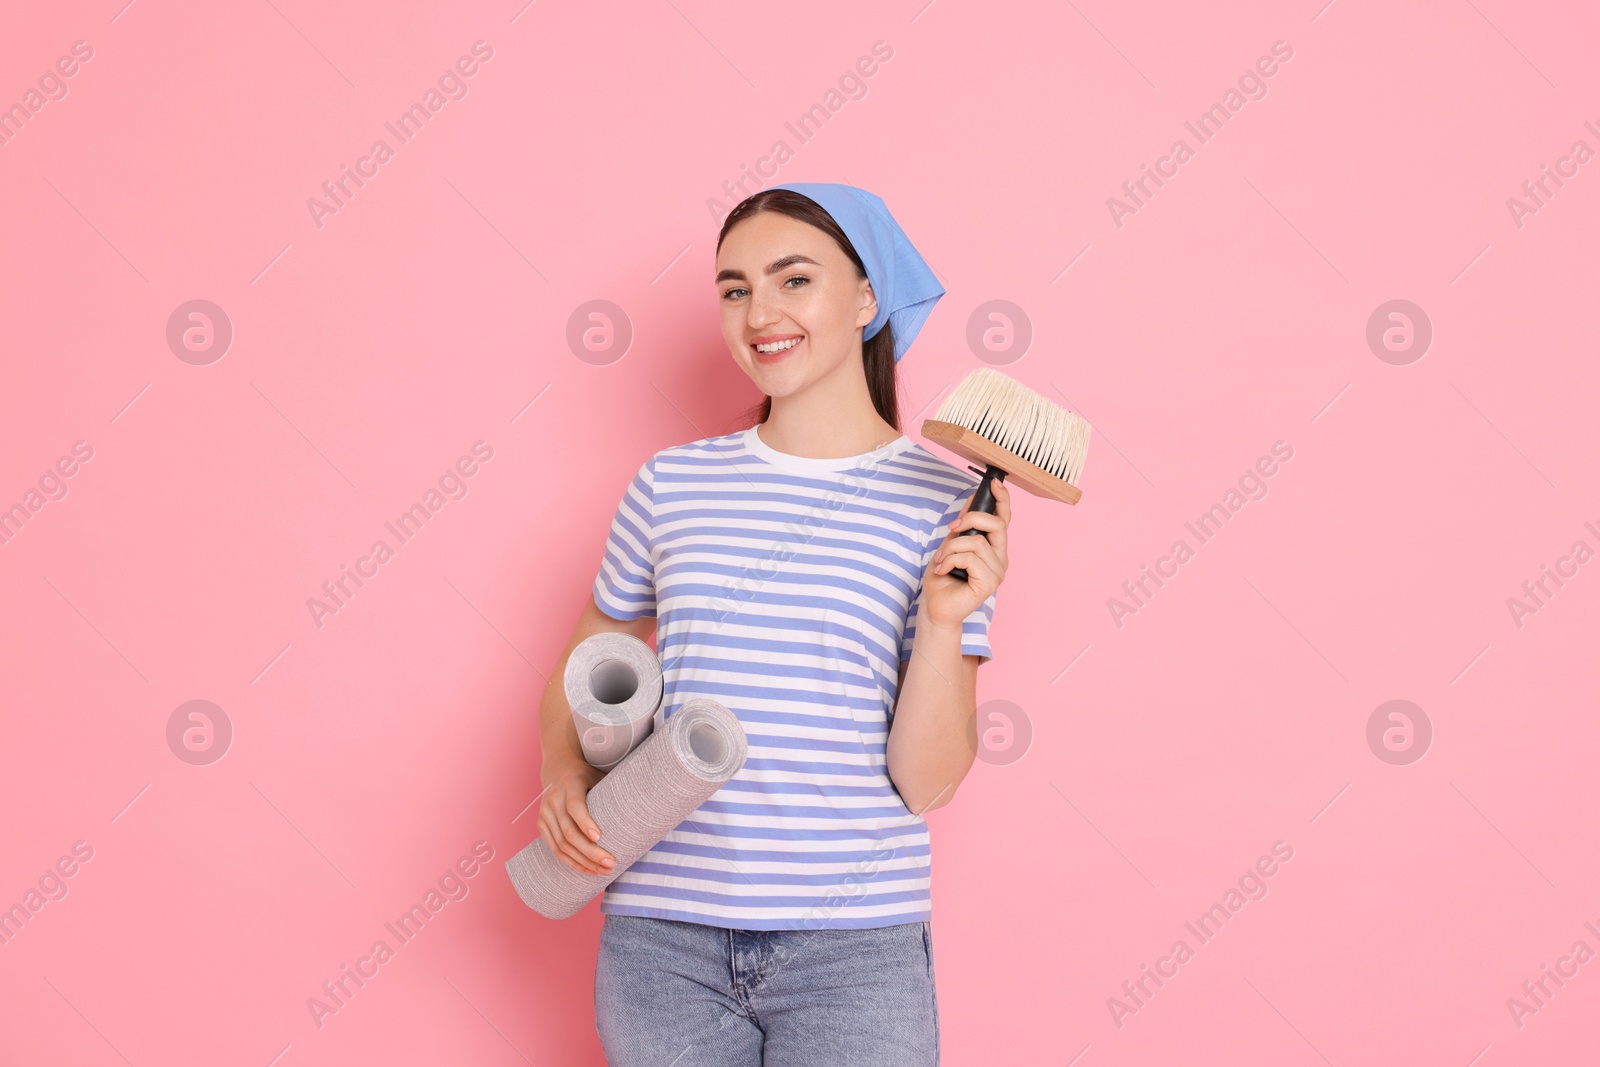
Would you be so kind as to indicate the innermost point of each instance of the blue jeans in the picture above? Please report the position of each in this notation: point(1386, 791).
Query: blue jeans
point(682, 994)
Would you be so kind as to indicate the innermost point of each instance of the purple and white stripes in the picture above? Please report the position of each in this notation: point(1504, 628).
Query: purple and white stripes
point(786, 588)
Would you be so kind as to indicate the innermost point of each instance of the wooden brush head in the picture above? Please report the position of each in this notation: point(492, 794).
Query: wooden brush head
point(995, 420)
point(1019, 472)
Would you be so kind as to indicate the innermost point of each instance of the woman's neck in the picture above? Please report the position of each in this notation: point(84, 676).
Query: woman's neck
point(820, 427)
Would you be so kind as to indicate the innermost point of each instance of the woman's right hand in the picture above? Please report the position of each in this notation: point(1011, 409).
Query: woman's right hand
point(565, 821)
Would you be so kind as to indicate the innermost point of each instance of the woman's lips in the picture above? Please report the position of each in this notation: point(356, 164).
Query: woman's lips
point(773, 357)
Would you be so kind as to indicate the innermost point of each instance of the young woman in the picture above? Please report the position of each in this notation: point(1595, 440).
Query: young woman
point(798, 572)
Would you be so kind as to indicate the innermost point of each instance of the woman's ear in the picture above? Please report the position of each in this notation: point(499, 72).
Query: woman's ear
point(869, 304)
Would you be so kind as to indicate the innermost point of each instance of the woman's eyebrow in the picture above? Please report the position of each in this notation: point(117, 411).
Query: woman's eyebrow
point(772, 268)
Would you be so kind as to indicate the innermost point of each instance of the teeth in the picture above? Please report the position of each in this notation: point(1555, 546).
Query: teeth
point(779, 347)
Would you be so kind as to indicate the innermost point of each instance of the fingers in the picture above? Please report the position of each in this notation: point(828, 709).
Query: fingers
point(585, 832)
point(579, 810)
point(569, 842)
point(978, 558)
point(992, 526)
point(580, 841)
point(964, 557)
point(1002, 499)
point(992, 535)
point(980, 583)
point(556, 838)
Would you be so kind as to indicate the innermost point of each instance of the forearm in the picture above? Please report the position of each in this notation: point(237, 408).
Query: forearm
point(933, 740)
point(558, 734)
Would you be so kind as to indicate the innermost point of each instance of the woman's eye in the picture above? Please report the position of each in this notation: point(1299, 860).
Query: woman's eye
point(737, 291)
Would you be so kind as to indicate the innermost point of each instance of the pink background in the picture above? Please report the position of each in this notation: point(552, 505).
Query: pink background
point(1230, 312)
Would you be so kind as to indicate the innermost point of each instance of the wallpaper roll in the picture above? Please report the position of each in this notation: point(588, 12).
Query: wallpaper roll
point(613, 683)
point(644, 798)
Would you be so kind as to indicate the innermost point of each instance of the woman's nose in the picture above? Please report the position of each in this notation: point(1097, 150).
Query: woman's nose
point(761, 311)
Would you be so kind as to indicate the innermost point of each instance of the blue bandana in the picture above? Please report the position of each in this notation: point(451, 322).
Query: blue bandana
point(904, 285)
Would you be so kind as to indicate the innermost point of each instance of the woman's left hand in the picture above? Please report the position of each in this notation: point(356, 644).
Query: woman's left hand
point(947, 601)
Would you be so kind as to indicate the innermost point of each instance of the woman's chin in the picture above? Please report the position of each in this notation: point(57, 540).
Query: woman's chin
point(778, 380)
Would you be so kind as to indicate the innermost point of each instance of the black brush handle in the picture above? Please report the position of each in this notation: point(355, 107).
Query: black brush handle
point(982, 500)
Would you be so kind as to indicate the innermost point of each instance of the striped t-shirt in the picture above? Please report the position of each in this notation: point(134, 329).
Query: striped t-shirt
point(786, 588)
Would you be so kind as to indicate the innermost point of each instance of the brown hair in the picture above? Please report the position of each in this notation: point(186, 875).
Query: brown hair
point(877, 352)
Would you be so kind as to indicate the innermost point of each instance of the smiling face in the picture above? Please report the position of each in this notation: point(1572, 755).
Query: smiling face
point(783, 284)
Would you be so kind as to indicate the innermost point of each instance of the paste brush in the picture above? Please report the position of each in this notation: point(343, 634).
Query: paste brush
point(1015, 433)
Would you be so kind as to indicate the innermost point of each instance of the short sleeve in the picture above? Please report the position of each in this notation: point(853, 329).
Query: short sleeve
point(625, 588)
point(975, 627)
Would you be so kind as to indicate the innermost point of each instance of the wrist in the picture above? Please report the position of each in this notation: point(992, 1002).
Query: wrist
point(566, 766)
point(936, 630)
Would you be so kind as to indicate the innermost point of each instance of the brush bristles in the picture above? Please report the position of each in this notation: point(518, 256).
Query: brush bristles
point(1019, 420)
